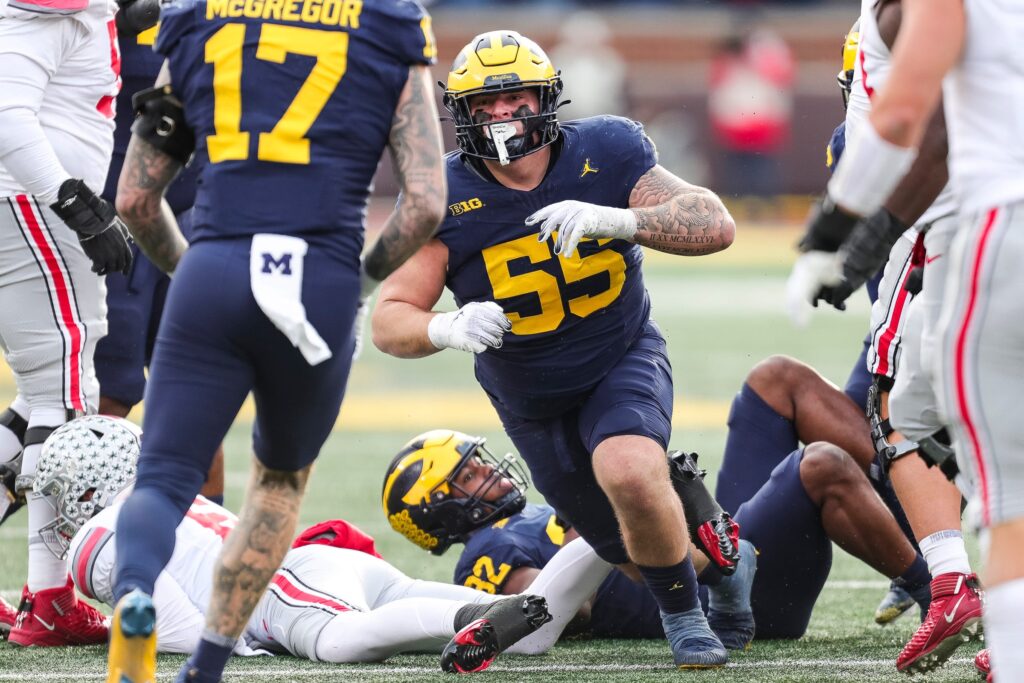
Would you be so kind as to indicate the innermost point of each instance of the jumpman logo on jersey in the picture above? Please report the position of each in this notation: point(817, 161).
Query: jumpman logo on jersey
point(587, 168)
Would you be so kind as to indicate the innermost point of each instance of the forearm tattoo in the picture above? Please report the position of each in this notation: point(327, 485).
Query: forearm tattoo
point(415, 144)
point(254, 549)
point(146, 173)
point(679, 218)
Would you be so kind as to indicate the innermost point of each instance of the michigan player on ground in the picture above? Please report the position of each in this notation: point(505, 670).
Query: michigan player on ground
point(541, 248)
point(461, 493)
point(288, 109)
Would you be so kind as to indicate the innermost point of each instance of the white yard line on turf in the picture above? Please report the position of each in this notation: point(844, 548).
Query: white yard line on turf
point(856, 584)
point(545, 668)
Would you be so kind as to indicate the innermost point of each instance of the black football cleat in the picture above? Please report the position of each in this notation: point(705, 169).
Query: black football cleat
point(491, 629)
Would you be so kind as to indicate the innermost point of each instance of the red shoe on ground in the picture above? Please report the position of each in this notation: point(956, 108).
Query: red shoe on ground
point(56, 616)
point(953, 619)
point(984, 665)
point(8, 614)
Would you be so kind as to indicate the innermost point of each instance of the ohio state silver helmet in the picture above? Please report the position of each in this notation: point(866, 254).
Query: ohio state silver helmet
point(85, 463)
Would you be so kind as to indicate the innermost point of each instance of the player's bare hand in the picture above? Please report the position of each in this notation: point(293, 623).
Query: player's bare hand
point(813, 272)
point(475, 327)
point(574, 221)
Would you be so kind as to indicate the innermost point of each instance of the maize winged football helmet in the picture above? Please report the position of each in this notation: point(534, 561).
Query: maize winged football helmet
point(84, 464)
point(850, 45)
point(423, 501)
point(495, 62)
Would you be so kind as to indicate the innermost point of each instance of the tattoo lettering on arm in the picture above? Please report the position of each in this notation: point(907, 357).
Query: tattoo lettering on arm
point(255, 548)
point(145, 175)
point(678, 218)
point(416, 151)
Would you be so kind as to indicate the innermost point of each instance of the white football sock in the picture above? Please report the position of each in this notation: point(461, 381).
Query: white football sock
point(945, 552)
point(1004, 630)
point(45, 570)
point(570, 579)
point(407, 625)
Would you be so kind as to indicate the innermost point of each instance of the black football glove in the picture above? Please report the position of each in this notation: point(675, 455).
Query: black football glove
point(863, 253)
point(135, 16)
point(104, 238)
point(827, 228)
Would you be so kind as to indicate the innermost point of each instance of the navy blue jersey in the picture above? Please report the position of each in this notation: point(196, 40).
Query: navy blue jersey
point(572, 319)
point(621, 609)
point(836, 146)
point(291, 102)
point(139, 69)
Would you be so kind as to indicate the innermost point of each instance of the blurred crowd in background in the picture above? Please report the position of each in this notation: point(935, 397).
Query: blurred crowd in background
point(738, 95)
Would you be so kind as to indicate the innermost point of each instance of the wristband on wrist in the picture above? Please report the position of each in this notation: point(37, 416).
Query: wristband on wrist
point(868, 172)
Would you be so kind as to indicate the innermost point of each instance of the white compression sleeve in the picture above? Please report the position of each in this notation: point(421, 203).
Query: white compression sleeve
point(567, 581)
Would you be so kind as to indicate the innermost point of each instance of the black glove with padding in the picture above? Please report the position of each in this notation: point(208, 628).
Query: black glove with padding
point(104, 238)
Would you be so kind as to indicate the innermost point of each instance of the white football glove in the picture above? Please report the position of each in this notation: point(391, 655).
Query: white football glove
point(575, 220)
point(812, 271)
point(473, 328)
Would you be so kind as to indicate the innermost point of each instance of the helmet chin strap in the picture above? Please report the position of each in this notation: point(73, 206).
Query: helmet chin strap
point(500, 132)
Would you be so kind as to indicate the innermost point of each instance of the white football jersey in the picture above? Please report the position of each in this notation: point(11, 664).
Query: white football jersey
point(871, 72)
point(69, 76)
point(984, 99)
point(183, 589)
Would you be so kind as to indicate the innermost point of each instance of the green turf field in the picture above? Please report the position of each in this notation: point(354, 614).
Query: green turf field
point(721, 314)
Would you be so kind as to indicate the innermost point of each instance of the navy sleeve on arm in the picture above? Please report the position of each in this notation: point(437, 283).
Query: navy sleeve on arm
point(638, 153)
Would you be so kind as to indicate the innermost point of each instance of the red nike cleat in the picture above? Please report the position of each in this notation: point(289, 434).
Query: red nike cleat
point(497, 626)
point(984, 665)
point(56, 616)
point(472, 649)
point(954, 618)
point(8, 614)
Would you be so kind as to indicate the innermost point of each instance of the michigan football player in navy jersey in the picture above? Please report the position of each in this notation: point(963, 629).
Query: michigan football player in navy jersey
point(541, 249)
point(288, 107)
point(135, 301)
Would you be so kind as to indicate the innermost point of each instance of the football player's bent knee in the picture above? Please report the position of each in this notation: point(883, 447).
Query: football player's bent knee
point(777, 374)
point(825, 466)
point(632, 482)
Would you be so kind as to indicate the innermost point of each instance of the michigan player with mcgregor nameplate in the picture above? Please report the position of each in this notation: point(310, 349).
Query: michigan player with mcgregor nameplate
point(289, 107)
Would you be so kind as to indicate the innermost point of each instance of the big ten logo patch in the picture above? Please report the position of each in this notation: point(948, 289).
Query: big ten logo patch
point(282, 265)
point(466, 206)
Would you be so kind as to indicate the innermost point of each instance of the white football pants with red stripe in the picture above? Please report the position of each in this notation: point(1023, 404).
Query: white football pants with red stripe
point(913, 404)
point(52, 307)
point(338, 605)
point(889, 312)
point(981, 363)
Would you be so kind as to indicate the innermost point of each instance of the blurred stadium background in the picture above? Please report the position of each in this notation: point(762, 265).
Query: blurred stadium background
point(738, 96)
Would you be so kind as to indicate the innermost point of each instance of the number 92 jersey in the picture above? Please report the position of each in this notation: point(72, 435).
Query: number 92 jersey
point(572, 318)
point(291, 103)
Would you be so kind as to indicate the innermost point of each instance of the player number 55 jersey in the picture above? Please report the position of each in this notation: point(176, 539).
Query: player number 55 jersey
point(572, 318)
